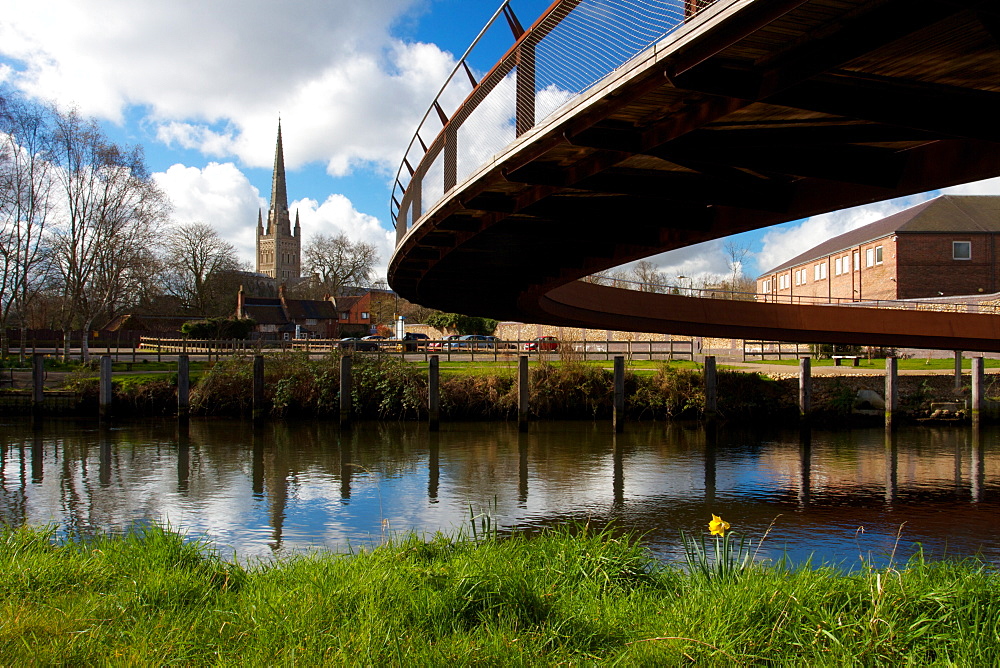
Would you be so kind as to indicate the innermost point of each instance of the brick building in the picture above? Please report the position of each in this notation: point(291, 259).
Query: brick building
point(946, 246)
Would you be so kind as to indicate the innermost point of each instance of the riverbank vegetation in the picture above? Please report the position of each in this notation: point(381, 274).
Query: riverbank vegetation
point(567, 596)
point(387, 387)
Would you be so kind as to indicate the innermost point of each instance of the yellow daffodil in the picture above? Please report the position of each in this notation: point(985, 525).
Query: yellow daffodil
point(718, 526)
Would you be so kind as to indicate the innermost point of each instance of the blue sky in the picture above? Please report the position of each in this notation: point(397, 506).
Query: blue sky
point(200, 85)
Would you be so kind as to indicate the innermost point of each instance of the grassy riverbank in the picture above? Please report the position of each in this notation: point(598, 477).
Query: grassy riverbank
point(563, 597)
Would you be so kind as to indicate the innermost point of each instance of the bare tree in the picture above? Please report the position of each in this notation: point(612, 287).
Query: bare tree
point(102, 242)
point(25, 205)
point(338, 262)
point(737, 254)
point(648, 276)
point(196, 260)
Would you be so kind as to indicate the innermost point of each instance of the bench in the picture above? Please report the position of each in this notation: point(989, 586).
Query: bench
point(837, 359)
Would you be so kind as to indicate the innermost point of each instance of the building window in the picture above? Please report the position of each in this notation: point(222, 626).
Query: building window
point(870, 257)
point(364, 315)
point(878, 255)
point(819, 271)
point(766, 286)
point(961, 250)
point(344, 315)
point(838, 267)
point(857, 260)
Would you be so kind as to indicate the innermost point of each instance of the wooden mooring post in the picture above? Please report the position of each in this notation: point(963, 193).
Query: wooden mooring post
point(618, 418)
point(345, 392)
point(891, 390)
point(37, 383)
point(977, 389)
point(522, 393)
point(958, 371)
point(105, 395)
point(183, 387)
point(711, 388)
point(258, 387)
point(433, 393)
point(805, 386)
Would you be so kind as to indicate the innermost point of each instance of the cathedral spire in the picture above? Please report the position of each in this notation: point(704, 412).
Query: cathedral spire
point(279, 194)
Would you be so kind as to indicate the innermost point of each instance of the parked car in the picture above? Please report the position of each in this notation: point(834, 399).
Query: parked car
point(441, 345)
point(348, 343)
point(542, 343)
point(413, 341)
point(474, 342)
point(372, 342)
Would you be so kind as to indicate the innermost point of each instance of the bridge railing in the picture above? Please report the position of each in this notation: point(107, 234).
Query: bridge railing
point(572, 46)
point(954, 304)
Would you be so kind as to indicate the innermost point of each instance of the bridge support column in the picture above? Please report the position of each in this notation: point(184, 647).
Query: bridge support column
point(183, 387)
point(618, 417)
point(258, 386)
point(345, 392)
point(105, 397)
point(711, 388)
point(891, 390)
point(805, 386)
point(522, 393)
point(977, 389)
point(433, 396)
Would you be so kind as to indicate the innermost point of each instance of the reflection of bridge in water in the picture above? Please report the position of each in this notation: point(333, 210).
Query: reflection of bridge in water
point(618, 134)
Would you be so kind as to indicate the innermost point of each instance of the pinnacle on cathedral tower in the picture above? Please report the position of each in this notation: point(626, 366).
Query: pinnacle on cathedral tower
point(278, 248)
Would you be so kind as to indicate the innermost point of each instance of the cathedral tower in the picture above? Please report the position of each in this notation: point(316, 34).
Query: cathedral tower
point(279, 248)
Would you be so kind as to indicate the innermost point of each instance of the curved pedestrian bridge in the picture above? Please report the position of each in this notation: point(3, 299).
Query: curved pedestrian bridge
point(612, 131)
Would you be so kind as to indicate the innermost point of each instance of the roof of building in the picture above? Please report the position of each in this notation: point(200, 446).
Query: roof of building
point(944, 214)
point(319, 309)
point(264, 311)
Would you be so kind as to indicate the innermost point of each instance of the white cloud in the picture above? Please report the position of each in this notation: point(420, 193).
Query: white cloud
point(219, 195)
point(214, 76)
point(337, 215)
point(782, 243)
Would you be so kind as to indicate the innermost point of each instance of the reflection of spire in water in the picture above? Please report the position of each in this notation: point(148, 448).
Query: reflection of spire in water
point(276, 477)
point(805, 465)
point(891, 465)
point(977, 466)
point(433, 465)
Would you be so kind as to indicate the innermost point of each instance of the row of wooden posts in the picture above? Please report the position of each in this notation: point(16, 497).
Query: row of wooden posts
point(433, 385)
point(892, 387)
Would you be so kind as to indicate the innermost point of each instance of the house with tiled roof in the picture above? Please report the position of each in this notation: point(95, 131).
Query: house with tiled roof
point(329, 318)
point(945, 246)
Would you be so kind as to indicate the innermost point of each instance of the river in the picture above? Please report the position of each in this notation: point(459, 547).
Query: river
point(838, 496)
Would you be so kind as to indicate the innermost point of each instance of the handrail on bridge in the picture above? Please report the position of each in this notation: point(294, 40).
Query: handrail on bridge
point(552, 62)
point(950, 304)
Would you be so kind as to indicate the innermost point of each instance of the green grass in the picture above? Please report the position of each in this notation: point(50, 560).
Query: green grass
point(912, 364)
point(568, 596)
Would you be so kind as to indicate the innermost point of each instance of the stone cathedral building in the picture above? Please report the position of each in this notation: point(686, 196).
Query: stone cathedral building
point(279, 247)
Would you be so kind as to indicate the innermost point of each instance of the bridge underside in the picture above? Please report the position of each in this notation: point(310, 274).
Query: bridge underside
point(759, 113)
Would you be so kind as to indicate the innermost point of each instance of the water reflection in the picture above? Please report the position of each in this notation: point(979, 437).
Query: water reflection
point(285, 487)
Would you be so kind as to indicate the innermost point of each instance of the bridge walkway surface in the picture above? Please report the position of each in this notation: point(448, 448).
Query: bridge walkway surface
point(745, 114)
